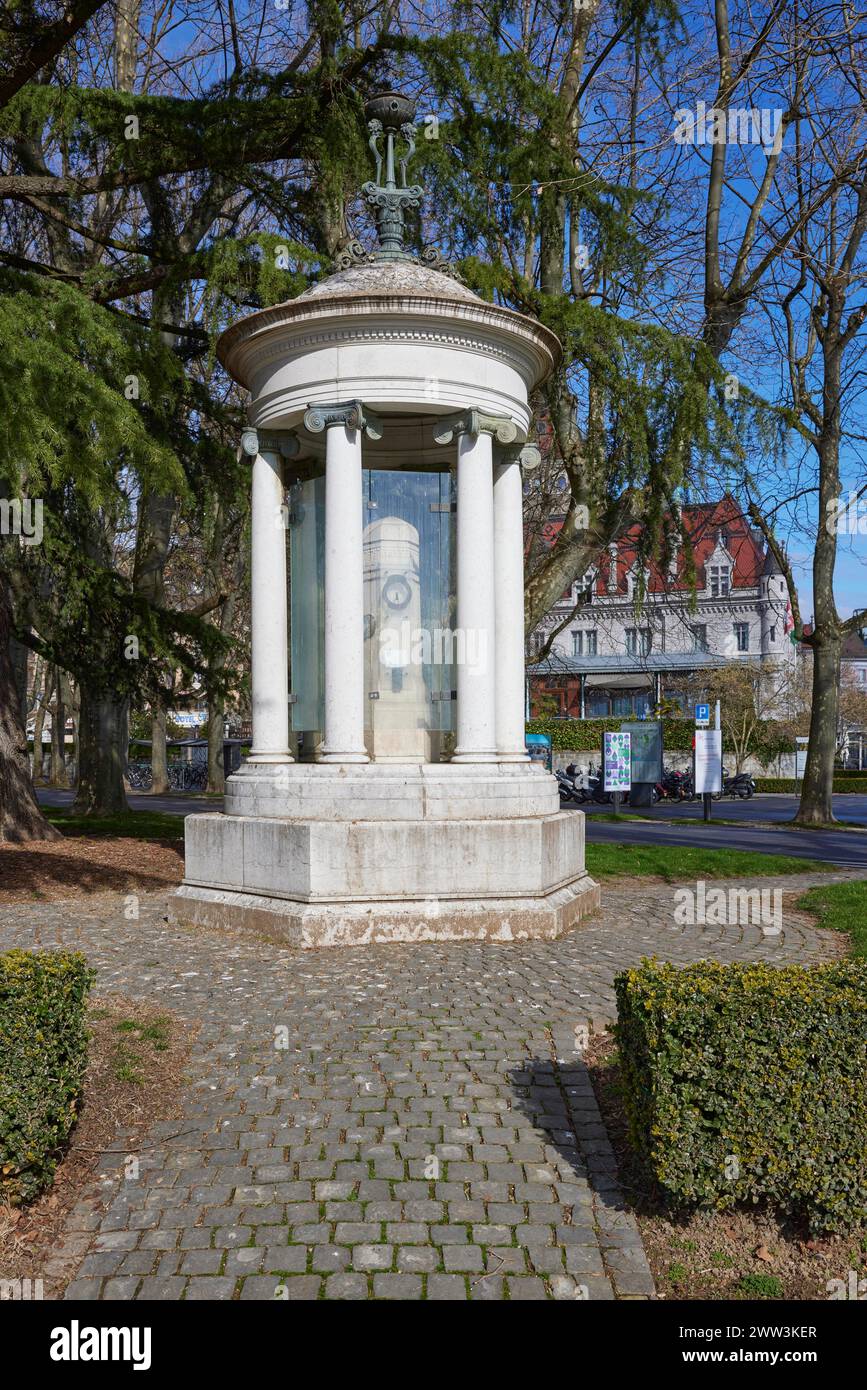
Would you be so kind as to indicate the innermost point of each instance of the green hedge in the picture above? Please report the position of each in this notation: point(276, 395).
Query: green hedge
point(585, 736)
point(43, 1054)
point(744, 1082)
point(789, 784)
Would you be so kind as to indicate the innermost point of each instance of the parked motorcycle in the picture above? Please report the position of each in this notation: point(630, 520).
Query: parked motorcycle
point(674, 786)
point(737, 785)
point(567, 789)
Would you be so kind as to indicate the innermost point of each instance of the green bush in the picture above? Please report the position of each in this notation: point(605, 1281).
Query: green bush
point(748, 1082)
point(585, 735)
point(43, 1054)
point(847, 783)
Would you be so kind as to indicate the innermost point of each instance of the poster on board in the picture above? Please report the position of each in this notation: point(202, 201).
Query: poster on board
point(708, 761)
point(617, 761)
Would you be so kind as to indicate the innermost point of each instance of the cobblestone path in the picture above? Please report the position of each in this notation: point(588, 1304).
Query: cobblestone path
point(394, 1122)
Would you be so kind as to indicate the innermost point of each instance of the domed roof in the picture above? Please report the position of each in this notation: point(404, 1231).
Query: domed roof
point(389, 277)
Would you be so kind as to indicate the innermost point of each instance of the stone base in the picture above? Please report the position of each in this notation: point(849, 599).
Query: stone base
point(310, 925)
point(324, 883)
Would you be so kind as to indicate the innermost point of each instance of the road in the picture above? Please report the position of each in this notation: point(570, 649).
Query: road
point(761, 807)
point(848, 849)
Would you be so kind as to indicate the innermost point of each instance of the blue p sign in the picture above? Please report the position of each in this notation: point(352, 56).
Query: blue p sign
point(702, 714)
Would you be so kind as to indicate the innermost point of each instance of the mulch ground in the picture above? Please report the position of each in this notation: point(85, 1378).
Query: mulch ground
point(708, 1255)
point(54, 869)
point(136, 1061)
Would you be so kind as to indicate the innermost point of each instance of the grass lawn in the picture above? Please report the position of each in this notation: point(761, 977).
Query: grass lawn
point(842, 907)
point(673, 863)
point(679, 863)
point(139, 825)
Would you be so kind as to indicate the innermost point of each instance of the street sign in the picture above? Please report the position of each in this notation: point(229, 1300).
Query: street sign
point(708, 761)
point(702, 715)
point(617, 762)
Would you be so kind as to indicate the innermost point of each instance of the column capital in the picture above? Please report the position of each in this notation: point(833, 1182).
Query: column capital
point(285, 444)
point(353, 414)
point(527, 455)
point(475, 422)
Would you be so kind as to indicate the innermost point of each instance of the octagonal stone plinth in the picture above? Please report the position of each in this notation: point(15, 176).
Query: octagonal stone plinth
point(329, 883)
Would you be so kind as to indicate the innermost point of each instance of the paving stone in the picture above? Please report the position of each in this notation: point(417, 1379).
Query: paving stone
point(328, 1259)
point(260, 1288)
point(155, 1290)
point(372, 1257)
point(397, 1286)
point(442, 1287)
point(299, 1288)
point(458, 1258)
point(347, 1286)
point(422, 1259)
point(526, 1289)
point(218, 1287)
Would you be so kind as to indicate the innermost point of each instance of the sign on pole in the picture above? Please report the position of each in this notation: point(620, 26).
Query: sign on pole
point(617, 762)
point(702, 715)
point(708, 761)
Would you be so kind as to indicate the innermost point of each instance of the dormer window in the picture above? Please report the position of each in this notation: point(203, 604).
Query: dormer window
point(719, 577)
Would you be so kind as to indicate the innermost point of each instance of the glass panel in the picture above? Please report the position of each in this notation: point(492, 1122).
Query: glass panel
point(306, 517)
point(408, 615)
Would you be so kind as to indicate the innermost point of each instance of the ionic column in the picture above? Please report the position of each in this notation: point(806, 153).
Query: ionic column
point(476, 740)
point(509, 599)
point(344, 577)
point(269, 622)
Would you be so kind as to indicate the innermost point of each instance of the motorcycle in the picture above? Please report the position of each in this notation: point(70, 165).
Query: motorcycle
point(674, 786)
point(736, 785)
point(567, 789)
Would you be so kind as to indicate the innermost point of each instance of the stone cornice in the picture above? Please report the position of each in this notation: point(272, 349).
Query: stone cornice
point(374, 317)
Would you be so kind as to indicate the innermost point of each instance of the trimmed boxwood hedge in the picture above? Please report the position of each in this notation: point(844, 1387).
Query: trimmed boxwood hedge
point(43, 1054)
point(842, 783)
point(748, 1082)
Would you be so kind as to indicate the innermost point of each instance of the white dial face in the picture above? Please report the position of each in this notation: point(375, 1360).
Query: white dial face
point(396, 591)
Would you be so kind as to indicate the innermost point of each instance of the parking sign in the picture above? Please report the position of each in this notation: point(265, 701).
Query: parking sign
point(702, 715)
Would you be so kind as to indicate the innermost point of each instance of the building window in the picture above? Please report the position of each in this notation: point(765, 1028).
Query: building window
point(742, 636)
point(537, 641)
point(584, 642)
point(719, 580)
point(637, 641)
point(699, 637)
point(773, 632)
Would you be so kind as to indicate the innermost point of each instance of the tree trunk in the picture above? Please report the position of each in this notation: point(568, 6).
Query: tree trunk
point(817, 804)
point(216, 769)
point(103, 737)
point(159, 757)
point(59, 777)
point(20, 816)
point(43, 693)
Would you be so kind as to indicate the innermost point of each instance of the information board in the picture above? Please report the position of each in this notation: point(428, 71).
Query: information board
point(647, 748)
point(708, 761)
point(617, 762)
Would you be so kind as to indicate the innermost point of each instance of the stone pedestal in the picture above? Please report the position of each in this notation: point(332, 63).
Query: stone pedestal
point(443, 852)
